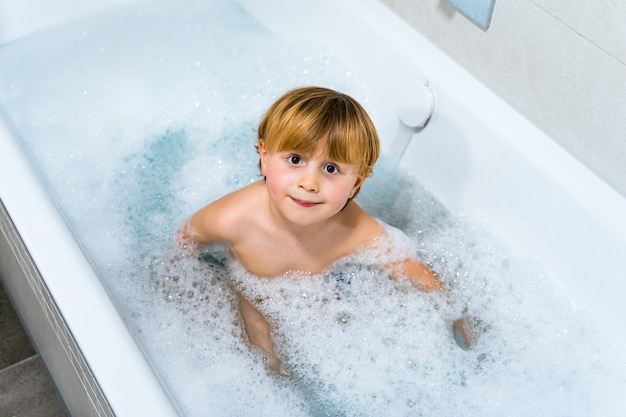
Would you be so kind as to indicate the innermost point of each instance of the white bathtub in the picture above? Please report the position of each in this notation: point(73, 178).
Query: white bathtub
point(477, 155)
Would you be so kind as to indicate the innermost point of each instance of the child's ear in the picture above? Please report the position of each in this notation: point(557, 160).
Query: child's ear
point(263, 156)
point(356, 186)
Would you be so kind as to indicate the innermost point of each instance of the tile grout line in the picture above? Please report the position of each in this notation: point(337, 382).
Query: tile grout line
point(578, 32)
point(19, 363)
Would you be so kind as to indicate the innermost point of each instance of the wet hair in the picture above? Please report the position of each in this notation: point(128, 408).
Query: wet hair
point(309, 117)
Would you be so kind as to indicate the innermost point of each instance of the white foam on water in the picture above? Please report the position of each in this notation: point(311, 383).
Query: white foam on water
point(138, 118)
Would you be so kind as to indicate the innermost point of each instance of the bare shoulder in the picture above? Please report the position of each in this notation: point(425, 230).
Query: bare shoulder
point(361, 225)
point(225, 218)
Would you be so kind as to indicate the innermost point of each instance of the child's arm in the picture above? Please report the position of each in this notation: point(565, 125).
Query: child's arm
point(419, 274)
point(200, 227)
point(220, 221)
point(215, 222)
point(258, 330)
point(197, 229)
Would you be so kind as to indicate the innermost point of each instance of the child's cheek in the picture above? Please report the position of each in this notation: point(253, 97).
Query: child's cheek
point(277, 180)
point(341, 194)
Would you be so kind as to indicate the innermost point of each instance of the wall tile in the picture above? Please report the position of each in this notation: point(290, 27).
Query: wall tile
point(600, 22)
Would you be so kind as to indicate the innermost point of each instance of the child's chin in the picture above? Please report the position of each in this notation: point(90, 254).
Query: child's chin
point(304, 221)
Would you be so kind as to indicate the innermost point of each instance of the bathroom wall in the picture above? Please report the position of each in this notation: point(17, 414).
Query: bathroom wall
point(561, 64)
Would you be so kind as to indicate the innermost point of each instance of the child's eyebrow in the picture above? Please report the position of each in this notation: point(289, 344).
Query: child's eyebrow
point(308, 154)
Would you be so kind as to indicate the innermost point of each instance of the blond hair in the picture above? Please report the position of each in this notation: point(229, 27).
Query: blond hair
point(307, 117)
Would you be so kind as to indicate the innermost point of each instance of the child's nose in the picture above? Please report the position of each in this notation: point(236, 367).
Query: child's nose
point(309, 181)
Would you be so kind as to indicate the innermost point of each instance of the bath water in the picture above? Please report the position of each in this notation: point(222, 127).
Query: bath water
point(136, 118)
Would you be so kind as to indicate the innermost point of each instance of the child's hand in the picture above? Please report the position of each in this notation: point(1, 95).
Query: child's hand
point(184, 236)
point(466, 331)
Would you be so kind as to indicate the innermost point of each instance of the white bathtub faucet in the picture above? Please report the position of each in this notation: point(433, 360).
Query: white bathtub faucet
point(417, 105)
point(415, 108)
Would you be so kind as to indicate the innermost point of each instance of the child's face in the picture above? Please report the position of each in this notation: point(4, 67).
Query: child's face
point(306, 189)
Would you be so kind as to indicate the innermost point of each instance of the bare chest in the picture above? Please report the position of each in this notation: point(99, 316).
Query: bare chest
point(275, 257)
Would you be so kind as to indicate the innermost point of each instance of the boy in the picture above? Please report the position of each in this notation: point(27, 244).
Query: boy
point(316, 148)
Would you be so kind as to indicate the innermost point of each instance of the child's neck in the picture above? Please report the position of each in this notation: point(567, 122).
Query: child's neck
point(302, 234)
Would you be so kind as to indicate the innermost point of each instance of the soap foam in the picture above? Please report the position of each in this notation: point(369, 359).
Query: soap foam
point(138, 118)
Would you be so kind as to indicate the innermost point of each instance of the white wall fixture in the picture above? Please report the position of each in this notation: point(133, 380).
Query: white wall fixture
point(478, 11)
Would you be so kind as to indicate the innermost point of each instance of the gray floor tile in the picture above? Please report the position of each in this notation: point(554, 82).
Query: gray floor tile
point(26, 391)
point(14, 344)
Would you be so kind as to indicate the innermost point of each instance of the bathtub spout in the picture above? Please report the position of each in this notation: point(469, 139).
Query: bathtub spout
point(415, 110)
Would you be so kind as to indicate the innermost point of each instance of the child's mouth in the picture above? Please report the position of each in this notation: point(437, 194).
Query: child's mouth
point(303, 203)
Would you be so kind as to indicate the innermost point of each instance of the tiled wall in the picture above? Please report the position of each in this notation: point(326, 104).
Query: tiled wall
point(561, 64)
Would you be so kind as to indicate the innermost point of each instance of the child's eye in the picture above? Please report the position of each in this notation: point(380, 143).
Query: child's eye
point(294, 159)
point(331, 169)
